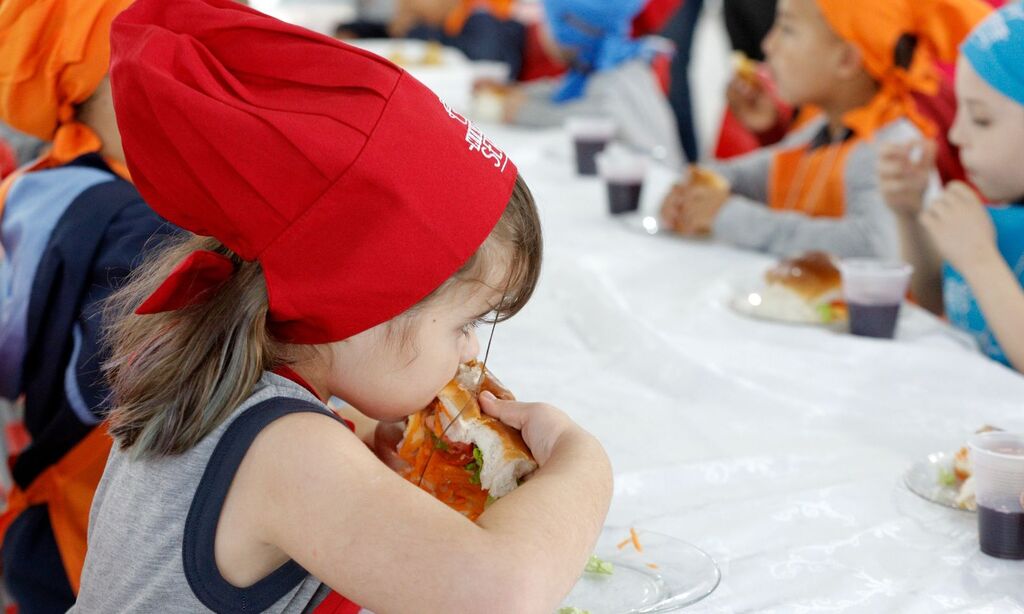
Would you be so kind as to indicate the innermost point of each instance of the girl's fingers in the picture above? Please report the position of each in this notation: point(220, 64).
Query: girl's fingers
point(512, 413)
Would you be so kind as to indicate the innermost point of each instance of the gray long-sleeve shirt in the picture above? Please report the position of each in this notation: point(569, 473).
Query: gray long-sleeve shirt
point(867, 229)
point(629, 94)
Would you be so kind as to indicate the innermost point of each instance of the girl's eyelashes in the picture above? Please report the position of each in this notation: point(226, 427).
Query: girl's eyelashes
point(981, 122)
point(475, 324)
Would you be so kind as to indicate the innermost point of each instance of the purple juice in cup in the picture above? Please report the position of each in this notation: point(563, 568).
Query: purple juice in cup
point(874, 291)
point(590, 136)
point(623, 172)
point(997, 459)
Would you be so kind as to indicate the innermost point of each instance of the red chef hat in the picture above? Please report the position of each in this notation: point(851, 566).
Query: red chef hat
point(357, 190)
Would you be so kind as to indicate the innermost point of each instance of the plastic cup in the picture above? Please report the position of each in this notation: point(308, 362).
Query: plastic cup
point(997, 459)
point(623, 171)
point(874, 291)
point(486, 71)
point(590, 136)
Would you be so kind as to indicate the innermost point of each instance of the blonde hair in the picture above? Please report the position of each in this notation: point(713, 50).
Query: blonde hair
point(176, 376)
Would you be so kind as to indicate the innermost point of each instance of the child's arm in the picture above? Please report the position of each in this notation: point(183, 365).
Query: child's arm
point(867, 228)
point(965, 235)
point(919, 251)
point(531, 105)
point(748, 175)
point(692, 208)
point(904, 179)
point(331, 506)
point(1001, 299)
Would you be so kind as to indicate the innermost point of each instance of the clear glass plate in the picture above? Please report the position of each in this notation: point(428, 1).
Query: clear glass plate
point(668, 575)
point(923, 479)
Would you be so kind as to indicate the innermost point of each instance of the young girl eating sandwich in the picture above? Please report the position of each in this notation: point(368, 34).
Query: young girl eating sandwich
point(330, 255)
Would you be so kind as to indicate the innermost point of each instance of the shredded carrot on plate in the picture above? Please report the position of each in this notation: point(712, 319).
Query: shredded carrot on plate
point(632, 539)
point(652, 565)
point(636, 540)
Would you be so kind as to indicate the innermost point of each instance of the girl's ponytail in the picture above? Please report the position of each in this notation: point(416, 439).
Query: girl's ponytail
point(176, 376)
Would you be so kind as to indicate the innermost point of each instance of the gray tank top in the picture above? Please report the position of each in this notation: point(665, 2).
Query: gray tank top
point(153, 522)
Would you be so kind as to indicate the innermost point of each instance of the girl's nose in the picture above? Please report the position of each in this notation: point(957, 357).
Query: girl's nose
point(471, 348)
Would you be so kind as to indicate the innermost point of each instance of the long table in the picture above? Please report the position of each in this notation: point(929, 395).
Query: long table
point(777, 449)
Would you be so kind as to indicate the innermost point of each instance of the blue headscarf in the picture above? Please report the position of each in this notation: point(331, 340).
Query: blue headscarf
point(598, 32)
point(995, 50)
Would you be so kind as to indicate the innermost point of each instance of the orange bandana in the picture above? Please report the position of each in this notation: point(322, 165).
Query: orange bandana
point(55, 54)
point(876, 28)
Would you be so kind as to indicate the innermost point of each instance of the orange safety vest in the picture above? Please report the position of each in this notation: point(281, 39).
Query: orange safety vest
point(502, 9)
point(811, 180)
point(66, 489)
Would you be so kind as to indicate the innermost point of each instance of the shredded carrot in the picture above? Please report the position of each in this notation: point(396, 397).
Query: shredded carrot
point(652, 565)
point(624, 542)
point(636, 540)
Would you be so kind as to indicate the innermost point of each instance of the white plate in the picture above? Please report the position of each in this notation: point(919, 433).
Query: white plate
point(922, 479)
point(668, 575)
point(745, 303)
point(652, 225)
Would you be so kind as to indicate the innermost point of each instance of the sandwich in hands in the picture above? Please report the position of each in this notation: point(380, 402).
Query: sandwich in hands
point(465, 460)
point(746, 69)
point(704, 177)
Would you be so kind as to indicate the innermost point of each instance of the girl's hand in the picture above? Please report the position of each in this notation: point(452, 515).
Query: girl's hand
point(960, 228)
point(541, 424)
point(903, 173)
point(752, 105)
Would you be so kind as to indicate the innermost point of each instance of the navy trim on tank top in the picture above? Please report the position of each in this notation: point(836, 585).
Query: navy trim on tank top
point(197, 547)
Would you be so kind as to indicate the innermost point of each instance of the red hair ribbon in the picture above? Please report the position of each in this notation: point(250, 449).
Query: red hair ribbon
point(190, 283)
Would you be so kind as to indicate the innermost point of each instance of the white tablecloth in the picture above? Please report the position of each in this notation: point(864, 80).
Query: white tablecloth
point(777, 449)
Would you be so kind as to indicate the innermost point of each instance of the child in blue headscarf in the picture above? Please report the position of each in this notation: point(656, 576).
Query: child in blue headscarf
point(969, 260)
point(610, 74)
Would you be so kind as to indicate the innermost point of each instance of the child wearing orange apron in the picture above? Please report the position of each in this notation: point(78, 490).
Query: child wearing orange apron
point(859, 63)
point(71, 228)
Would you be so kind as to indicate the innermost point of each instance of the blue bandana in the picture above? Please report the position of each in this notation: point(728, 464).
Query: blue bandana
point(599, 34)
point(996, 51)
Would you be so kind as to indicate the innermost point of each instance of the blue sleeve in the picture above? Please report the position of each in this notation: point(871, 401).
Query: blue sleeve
point(135, 231)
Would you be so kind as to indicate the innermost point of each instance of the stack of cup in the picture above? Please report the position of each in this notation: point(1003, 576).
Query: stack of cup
point(874, 291)
point(623, 172)
point(997, 460)
point(490, 90)
point(590, 135)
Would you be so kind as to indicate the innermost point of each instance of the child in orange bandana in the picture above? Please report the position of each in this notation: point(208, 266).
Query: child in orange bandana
point(860, 64)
